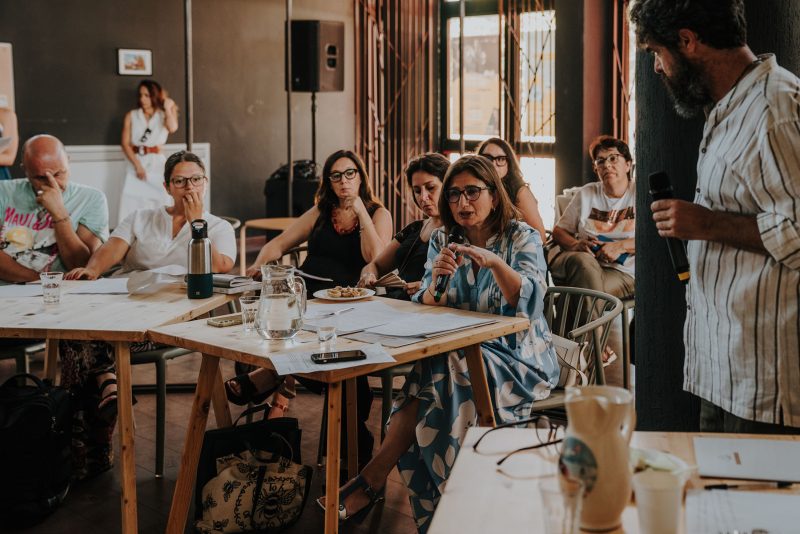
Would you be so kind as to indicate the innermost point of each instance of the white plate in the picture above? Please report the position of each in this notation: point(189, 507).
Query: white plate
point(323, 294)
point(642, 459)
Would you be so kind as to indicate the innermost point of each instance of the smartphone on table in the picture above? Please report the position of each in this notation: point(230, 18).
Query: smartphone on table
point(338, 356)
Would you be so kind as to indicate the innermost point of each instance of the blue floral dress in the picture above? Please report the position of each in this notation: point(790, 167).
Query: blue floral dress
point(521, 368)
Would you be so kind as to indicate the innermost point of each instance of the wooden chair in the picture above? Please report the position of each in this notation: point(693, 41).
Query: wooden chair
point(585, 317)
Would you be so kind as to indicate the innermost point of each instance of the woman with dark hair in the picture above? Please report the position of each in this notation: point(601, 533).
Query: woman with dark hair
point(147, 239)
point(505, 163)
point(596, 231)
point(501, 271)
point(144, 132)
point(345, 229)
point(409, 248)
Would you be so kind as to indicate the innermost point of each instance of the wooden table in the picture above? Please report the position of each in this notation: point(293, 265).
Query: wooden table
point(230, 344)
point(479, 499)
point(275, 223)
point(118, 319)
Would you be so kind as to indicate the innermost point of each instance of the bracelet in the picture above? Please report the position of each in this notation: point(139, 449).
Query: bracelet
point(61, 220)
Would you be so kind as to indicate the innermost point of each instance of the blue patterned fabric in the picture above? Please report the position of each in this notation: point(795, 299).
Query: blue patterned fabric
point(520, 368)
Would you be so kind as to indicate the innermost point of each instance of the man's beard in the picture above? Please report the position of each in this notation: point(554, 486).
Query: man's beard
point(686, 88)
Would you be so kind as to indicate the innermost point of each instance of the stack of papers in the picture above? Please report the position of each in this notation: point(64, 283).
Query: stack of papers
point(12, 291)
point(101, 286)
point(741, 511)
point(428, 324)
point(365, 314)
point(748, 458)
point(231, 280)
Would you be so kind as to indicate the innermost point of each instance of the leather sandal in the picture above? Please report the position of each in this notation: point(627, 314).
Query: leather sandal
point(358, 484)
point(247, 391)
point(108, 411)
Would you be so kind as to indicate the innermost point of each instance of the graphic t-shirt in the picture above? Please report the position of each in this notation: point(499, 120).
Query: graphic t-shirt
point(26, 229)
point(593, 214)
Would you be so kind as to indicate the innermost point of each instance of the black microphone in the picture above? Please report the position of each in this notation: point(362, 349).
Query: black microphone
point(456, 236)
point(661, 189)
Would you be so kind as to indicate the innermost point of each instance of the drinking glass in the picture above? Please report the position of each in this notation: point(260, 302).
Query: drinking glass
point(561, 505)
point(658, 501)
point(326, 331)
point(51, 286)
point(249, 306)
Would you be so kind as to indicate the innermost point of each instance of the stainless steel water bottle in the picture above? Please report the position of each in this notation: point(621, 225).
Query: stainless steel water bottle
point(199, 282)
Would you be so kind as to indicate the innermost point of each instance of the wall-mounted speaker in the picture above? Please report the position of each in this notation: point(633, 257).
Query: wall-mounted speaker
point(317, 56)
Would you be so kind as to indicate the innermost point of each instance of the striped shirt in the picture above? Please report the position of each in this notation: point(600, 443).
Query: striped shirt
point(742, 329)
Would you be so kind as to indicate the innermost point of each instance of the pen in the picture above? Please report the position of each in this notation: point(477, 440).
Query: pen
point(755, 486)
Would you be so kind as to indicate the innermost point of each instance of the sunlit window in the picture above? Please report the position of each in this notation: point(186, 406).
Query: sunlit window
point(481, 77)
point(537, 77)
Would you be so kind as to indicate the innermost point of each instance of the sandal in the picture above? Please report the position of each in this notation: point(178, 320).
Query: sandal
point(609, 357)
point(358, 484)
point(108, 411)
point(247, 391)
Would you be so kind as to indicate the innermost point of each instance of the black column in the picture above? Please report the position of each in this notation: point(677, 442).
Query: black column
point(666, 142)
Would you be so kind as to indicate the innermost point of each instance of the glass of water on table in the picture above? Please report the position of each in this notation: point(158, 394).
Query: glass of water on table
point(326, 331)
point(51, 286)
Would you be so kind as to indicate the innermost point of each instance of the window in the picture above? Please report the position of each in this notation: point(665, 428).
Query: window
point(509, 85)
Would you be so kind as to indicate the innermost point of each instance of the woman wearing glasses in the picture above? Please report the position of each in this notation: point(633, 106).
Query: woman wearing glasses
point(505, 163)
point(596, 231)
point(408, 250)
point(144, 132)
point(501, 271)
point(347, 228)
point(147, 239)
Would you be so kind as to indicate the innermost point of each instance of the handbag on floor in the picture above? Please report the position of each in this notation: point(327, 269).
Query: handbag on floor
point(35, 448)
point(250, 477)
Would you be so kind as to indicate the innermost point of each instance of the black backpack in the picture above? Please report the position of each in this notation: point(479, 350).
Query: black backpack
point(35, 443)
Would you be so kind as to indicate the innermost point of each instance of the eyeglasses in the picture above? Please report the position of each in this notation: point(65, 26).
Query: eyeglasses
point(546, 431)
point(181, 181)
point(145, 135)
point(471, 192)
point(611, 160)
point(500, 161)
point(350, 174)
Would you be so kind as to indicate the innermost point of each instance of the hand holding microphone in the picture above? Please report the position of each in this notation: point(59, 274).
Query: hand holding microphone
point(446, 263)
point(661, 190)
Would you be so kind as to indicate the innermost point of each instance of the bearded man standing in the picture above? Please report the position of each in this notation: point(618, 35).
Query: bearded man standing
point(742, 331)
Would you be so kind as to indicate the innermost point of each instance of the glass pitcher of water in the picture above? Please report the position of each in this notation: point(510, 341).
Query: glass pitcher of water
point(282, 304)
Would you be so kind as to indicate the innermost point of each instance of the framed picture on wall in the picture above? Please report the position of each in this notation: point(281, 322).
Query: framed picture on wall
point(134, 62)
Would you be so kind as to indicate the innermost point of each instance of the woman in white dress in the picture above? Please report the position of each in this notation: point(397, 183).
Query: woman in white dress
point(144, 132)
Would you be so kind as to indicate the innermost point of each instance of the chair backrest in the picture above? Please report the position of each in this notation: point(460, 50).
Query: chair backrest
point(584, 316)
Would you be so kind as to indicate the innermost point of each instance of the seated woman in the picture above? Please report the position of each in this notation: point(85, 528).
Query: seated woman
point(507, 167)
point(408, 250)
point(146, 239)
point(596, 231)
point(347, 228)
point(501, 271)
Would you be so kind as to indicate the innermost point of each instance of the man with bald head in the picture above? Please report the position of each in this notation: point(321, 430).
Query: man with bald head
point(46, 222)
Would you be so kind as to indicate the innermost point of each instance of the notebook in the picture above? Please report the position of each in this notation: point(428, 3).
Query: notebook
point(748, 459)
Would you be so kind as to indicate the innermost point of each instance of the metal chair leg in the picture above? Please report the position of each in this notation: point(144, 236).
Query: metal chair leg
point(161, 414)
point(626, 349)
point(22, 363)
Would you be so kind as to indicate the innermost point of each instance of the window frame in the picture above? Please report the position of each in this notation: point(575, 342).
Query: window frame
point(510, 66)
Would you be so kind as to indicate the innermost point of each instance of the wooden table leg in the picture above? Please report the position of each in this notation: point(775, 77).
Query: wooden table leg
point(332, 467)
point(50, 359)
point(222, 410)
point(181, 498)
point(122, 353)
point(480, 387)
point(352, 428)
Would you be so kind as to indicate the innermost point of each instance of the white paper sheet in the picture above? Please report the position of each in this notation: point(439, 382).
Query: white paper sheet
point(16, 291)
point(101, 286)
point(299, 361)
point(365, 315)
point(748, 458)
point(424, 324)
point(741, 511)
